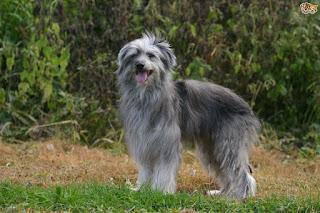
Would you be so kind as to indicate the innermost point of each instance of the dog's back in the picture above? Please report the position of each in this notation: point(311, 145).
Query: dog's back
point(207, 108)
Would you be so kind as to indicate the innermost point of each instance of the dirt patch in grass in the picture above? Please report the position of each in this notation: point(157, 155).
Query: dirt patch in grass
point(59, 162)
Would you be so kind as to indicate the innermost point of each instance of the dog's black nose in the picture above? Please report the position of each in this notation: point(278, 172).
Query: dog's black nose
point(139, 66)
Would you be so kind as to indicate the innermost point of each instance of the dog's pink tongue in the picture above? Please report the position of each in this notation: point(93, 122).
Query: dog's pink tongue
point(142, 76)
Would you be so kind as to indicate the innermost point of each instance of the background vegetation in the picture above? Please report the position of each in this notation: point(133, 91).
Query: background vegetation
point(57, 59)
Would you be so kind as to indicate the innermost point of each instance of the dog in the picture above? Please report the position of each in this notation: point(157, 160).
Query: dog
point(160, 115)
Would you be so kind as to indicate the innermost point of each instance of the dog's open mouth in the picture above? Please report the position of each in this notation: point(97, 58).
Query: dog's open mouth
point(142, 76)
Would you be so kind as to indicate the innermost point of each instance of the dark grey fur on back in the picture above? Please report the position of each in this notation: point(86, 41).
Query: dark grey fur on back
point(159, 115)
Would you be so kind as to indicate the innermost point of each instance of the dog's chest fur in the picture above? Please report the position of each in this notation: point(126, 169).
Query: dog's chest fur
point(145, 112)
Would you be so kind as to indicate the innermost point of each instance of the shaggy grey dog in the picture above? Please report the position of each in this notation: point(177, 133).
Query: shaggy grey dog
point(160, 115)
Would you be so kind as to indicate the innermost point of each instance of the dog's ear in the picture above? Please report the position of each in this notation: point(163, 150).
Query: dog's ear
point(121, 56)
point(123, 53)
point(118, 71)
point(169, 59)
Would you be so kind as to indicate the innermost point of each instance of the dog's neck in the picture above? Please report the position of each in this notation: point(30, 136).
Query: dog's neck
point(147, 104)
point(147, 95)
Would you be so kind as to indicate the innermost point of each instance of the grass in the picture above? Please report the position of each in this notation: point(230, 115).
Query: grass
point(59, 176)
point(95, 197)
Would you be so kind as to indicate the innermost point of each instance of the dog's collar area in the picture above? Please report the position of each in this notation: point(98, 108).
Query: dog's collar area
point(142, 76)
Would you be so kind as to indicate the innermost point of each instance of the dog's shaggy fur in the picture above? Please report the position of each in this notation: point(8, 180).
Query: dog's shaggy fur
point(159, 115)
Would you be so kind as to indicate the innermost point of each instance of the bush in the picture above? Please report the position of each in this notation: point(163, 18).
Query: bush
point(268, 52)
point(36, 58)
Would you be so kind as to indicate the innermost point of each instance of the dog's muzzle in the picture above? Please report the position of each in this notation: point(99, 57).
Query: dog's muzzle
point(142, 74)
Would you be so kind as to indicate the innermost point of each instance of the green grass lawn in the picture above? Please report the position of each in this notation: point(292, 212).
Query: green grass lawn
point(95, 197)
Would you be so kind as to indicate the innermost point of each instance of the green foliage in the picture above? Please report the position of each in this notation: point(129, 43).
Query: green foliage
point(97, 197)
point(35, 68)
point(58, 58)
point(196, 69)
point(16, 16)
point(44, 68)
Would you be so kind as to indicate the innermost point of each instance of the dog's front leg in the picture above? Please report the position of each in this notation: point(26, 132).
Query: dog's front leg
point(165, 174)
point(145, 175)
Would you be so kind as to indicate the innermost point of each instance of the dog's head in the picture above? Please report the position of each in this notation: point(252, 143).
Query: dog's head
point(146, 60)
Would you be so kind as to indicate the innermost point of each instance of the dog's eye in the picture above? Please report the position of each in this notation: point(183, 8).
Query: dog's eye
point(150, 55)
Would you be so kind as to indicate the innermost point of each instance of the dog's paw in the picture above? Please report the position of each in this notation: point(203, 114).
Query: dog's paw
point(135, 189)
point(213, 192)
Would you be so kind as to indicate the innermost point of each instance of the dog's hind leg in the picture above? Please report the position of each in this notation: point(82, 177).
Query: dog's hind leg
point(236, 185)
point(207, 161)
point(231, 152)
point(234, 179)
point(165, 174)
point(230, 170)
point(244, 187)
